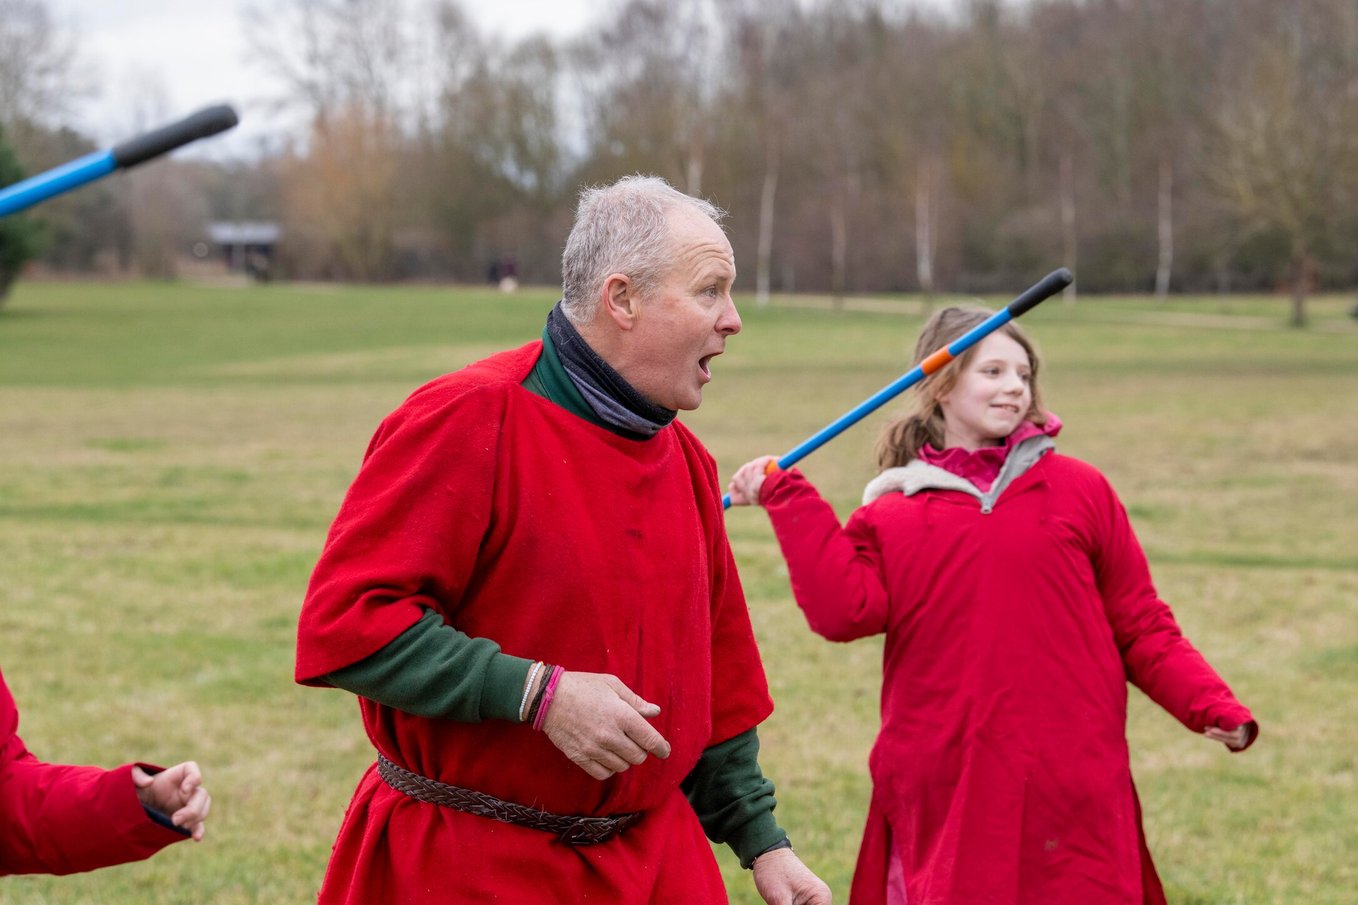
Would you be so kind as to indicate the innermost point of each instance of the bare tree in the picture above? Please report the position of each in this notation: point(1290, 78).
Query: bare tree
point(654, 108)
point(860, 144)
point(161, 204)
point(20, 239)
point(338, 197)
point(344, 62)
point(506, 113)
point(766, 71)
point(347, 56)
point(38, 77)
point(914, 136)
point(1288, 130)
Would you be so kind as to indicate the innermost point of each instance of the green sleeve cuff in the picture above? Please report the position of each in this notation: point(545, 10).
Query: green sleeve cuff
point(502, 691)
point(756, 837)
point(733, 799)
point(433, 670)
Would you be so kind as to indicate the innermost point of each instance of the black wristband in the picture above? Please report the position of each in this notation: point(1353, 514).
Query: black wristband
point(785, 842)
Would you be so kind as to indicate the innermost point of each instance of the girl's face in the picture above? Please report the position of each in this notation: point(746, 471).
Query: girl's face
point(991, 395)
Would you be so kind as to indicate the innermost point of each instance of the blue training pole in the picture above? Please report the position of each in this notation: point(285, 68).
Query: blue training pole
point(1039, 292)
point(122, 156)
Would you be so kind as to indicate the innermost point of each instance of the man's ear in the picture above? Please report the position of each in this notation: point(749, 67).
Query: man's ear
point(621, 300)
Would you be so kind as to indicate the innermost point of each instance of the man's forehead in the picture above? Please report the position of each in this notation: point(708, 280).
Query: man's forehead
point(695, 236)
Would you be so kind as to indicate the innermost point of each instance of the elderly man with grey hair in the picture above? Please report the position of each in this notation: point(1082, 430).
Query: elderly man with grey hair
point(530, 589)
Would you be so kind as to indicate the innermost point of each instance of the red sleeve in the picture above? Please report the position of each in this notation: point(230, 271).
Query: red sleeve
point(740, 688)
point(57, 819)
point(1158, 658)
point(408, 531)
point(836, 572)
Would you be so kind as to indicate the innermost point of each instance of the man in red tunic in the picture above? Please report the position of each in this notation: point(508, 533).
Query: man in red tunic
point(530, 587)
point(59, 819)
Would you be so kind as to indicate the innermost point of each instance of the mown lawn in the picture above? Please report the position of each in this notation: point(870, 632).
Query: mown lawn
point(170, 457)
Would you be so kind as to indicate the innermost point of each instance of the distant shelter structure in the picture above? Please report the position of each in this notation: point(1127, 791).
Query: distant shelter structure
point(247, 246)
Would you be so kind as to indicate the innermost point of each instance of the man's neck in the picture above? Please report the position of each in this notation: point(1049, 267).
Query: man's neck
point(615, 403)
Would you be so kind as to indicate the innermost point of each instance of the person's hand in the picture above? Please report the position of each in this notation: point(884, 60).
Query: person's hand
point(177, 793)
point(748, 479)
point(600, 724)
point(1235, 739)
point(782, 879)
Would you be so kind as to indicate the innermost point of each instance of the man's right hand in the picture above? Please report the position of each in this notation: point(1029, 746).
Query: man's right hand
point(600, 724)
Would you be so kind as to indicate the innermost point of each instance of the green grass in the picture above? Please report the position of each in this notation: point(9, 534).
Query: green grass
point(170, 457)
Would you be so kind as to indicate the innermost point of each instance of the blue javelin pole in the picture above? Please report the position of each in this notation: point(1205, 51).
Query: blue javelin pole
point(1039, 292)
point(122, 156)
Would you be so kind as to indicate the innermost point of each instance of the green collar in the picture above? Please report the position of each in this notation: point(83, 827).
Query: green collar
point(549, 380)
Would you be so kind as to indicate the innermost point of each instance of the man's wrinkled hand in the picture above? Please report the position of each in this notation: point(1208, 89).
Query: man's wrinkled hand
point(782, 879)
point(600, 724)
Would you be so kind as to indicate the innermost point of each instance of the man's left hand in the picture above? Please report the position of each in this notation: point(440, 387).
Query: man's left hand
point(782, 879)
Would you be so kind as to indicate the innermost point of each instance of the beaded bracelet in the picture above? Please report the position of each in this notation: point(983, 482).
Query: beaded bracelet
point(547, 697)
point(531, 717)
point(528, 687)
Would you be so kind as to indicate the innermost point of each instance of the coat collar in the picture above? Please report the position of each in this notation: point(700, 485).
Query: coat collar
point(919, 475)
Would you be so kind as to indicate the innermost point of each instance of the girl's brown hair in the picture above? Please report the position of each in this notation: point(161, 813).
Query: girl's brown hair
point(904, 438)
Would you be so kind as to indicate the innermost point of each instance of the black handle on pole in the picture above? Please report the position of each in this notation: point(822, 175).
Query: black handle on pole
point(1043, 289)
point(208, 121)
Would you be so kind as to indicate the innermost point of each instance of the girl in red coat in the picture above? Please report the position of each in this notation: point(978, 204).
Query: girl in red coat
point(1016, 604)
point(59, 819)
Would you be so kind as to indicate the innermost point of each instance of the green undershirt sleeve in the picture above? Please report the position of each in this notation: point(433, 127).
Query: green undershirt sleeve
point(433, 670)
point(734, 799)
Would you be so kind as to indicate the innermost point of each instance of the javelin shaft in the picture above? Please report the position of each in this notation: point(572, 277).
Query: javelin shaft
point(1039, 292)
point(68, 176)
point(123, 156)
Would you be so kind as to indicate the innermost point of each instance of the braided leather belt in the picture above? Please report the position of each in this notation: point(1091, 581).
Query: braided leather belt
point(572, 830)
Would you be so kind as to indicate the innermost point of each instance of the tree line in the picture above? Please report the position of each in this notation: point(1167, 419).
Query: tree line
point(860, 145)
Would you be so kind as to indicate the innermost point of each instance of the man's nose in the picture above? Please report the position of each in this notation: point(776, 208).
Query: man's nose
point(729, 322)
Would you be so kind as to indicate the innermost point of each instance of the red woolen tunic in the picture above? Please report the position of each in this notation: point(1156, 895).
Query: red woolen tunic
point(1001, 772)
point(521, 522)
point(58, 819)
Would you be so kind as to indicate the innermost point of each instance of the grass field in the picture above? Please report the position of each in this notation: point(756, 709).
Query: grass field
point(170, 458)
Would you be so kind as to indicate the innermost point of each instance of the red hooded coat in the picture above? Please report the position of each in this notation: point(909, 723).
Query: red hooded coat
point(57, 819)
point(523, 523)
point(1001, 771)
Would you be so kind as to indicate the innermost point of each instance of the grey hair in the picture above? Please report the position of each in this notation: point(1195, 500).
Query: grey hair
point(621, 228)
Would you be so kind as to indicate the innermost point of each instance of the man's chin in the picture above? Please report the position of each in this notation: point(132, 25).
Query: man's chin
point(689, 403)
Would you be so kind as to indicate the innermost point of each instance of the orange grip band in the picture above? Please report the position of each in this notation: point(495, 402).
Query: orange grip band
point(771, 467)
point(935, 361)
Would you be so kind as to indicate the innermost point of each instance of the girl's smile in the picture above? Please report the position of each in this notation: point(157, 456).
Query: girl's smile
point(992, 395)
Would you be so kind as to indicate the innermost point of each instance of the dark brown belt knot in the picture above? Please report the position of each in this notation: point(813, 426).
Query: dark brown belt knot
point(572, 830)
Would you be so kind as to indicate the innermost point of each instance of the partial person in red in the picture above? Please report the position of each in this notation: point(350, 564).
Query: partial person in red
point(530, 588)
point(59, 819)
point(1016, 604)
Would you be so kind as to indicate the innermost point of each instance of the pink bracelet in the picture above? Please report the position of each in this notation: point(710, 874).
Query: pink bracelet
point(547, 698)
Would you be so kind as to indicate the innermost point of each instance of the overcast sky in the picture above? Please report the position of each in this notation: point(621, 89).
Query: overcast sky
point(167, 58)
point(154, 61)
